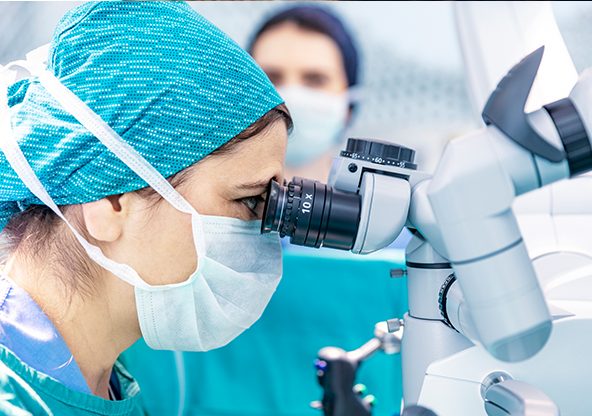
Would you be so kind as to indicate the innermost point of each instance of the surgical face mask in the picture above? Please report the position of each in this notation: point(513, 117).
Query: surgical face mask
point(227, 294)
point(319, 122)
point(238, 268)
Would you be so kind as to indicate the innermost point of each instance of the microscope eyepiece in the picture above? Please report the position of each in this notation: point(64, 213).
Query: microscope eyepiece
point(312, 214)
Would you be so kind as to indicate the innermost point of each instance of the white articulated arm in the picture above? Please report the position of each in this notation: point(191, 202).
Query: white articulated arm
point(471, 195)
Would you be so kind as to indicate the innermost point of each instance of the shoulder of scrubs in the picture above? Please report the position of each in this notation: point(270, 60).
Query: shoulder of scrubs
point(25, 391)
point(38, 374)
point(27, 331)
point(17, 398)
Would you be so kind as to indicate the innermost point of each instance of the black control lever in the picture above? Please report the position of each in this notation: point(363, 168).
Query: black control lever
point(337, 373)
point(336, 370)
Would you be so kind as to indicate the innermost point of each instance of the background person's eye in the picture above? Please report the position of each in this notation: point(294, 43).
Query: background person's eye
point(315, 79)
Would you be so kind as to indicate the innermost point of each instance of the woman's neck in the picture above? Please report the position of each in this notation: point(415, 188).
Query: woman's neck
point(97, 327)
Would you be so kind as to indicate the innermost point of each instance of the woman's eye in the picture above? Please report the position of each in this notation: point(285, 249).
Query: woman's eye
point(255, 205)
point(250, 202)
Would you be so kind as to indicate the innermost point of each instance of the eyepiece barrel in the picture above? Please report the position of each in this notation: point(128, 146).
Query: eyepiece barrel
point(312, 214)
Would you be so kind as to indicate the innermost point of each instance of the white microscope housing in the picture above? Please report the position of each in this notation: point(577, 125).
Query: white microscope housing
point(465, 210)
point(485, 287)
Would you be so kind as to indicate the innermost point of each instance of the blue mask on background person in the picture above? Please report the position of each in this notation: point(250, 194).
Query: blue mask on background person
point(320, 119)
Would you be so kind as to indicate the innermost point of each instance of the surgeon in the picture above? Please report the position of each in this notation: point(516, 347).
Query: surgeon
point(134, 166)
point(327, 297)
point(313, 61)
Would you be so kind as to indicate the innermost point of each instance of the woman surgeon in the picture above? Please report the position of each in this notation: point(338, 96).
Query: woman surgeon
point(102, 249)
point(326, 298)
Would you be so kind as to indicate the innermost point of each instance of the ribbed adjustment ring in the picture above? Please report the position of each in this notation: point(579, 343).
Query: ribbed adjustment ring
point(288, 213)
point(573, 135)
point(442, 299)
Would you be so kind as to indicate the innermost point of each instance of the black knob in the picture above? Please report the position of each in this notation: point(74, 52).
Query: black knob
point(379, 152)
point(442, 298)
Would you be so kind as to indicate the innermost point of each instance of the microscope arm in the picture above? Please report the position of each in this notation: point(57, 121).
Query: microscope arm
point(465, 212)
point(471, 196)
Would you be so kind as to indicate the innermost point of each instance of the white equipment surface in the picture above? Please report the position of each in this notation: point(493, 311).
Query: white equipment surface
point(496, 35)
point(562, 369)
point(555, 222)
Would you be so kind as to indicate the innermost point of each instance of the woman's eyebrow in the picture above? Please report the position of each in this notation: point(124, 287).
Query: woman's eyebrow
point(253, 185)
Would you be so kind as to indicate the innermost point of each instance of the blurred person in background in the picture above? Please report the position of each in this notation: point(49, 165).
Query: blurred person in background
point(326, 297)
point(312, 60)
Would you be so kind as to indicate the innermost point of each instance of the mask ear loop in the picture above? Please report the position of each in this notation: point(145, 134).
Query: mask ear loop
point(112, 141)
point(21, 166)
point(102, 131)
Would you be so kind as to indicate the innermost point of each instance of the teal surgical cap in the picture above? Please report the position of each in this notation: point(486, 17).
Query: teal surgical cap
point(170, 83)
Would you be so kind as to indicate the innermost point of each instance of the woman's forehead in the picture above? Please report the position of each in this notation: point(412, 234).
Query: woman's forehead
point(289, 45)
point(261, 155)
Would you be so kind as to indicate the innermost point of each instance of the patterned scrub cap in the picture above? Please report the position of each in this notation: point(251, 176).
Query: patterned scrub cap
point(170, 83)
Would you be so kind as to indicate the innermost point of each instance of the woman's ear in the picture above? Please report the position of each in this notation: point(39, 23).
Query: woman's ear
point(105, 218)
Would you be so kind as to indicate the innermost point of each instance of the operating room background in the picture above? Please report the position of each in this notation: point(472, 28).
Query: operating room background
point(414, 92)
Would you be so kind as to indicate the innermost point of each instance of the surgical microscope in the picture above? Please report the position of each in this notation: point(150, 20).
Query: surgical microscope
point(480, 336)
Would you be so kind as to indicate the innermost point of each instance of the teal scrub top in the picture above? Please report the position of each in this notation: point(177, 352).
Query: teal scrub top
point(24, 391)
point(325, 298)
point(39, 375)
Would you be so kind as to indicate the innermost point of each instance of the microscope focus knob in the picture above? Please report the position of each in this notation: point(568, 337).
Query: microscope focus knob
point(443, 298)
point(379, 152)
